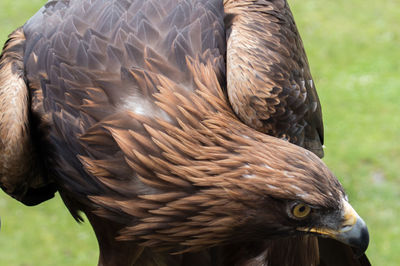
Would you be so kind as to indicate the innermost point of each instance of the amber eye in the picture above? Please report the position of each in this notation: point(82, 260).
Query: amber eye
point(301, 211)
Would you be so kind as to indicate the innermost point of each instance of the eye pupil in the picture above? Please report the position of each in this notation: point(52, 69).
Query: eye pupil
point(302, 209)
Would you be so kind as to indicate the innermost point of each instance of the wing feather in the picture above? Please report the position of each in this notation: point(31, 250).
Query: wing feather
point(22, 174)
point(269, 82)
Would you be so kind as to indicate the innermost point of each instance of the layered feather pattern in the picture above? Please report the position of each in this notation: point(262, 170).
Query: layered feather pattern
point(152, 117)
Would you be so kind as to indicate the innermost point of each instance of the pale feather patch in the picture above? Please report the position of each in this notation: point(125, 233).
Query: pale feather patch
point(304, 196)
point(144, 107)
point(295, 187)
point(266, 166)
point(272, 187)
point(288, 174)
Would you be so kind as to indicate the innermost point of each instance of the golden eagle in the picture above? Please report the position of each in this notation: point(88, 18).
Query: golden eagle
point(172, 124)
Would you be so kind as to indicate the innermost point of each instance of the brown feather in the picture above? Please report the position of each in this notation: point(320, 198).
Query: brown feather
point(269, 82)
point(142, 138)
point(22, 174)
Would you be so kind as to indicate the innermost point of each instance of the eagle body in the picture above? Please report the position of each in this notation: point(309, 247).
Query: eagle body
point(172, 126)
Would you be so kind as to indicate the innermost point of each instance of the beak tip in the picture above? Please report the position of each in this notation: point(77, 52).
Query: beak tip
point(357, 237)
point(361, 243)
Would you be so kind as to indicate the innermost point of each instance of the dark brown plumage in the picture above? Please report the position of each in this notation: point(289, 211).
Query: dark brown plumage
point(129, 110)
point(269, 82)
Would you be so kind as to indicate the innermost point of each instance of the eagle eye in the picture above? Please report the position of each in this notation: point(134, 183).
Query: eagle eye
point(301, 211)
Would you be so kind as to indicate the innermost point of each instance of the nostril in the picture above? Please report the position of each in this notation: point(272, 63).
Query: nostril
point(346, 228)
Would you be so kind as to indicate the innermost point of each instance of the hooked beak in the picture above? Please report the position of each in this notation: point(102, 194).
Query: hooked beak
point(352, 231)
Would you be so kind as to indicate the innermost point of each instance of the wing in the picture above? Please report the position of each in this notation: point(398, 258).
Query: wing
point(268, 77)
point(22, 173)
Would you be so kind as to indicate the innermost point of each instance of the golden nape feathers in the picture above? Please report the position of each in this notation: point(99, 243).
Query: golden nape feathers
point(177, 128)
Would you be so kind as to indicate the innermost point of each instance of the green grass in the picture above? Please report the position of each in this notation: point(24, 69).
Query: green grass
point(355, 60)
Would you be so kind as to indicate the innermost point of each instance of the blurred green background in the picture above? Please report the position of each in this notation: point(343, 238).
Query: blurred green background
point(354, 52)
